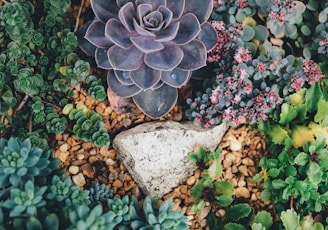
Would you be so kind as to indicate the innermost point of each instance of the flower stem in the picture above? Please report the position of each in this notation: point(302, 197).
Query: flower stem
point(78, 16)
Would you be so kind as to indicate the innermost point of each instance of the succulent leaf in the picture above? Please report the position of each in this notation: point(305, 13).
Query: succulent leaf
point(156, 103)
point(189, 28)
point(146, 77)
point(146, 37)
point(176, 78)
point(95, 34)
point(176, 6)
point(119, 89)
point(101, 56)
point(104, 10)
point(166, 59)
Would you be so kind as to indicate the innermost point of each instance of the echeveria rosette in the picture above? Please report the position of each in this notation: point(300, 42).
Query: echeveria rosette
point(150, 47)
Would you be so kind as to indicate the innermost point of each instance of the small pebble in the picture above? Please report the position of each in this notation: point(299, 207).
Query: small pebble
point(73, 169)
point(79, 179)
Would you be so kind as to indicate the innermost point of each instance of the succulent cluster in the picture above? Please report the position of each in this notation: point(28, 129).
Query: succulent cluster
point(149, 47)
point(38, 66)
point(89, 125)
point(253, 73)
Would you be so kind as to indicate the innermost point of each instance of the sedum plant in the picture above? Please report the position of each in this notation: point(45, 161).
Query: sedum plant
point(149, 47)
point(89, 125)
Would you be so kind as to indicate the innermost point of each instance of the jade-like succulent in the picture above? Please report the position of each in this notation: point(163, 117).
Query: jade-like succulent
point(150, 47)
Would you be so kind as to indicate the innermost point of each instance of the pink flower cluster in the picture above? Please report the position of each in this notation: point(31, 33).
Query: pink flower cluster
point(312, 71)
point(226, 43)
point(282, 11)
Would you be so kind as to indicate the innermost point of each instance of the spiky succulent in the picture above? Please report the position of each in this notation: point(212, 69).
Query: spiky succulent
point(150, 47)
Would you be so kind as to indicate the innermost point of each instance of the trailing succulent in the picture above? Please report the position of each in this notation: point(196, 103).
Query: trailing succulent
point(149, 47)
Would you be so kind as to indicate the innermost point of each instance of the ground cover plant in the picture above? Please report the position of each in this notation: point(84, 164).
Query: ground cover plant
point(269, 62)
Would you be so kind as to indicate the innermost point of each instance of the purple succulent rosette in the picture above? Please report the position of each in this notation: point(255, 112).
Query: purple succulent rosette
point(150, 47)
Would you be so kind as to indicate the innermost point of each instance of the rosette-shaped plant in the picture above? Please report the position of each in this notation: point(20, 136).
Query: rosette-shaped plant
point(150, 47)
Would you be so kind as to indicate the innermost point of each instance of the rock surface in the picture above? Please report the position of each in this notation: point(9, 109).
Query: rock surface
point(156, 153)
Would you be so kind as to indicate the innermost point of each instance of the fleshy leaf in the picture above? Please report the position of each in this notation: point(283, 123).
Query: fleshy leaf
point(287, 114)
point(318, 130)
point(290, 219)
point(105, 10)
point(202, 11)
point(166, 59)
point(126, 15)
point(147, 44)
point(215, 170)
point(189, 28)
point(116, 32)
point(140, 30)
point(302, 158)
point(176, 78)
point(300, 135)
point(168, 33)
point(313, 96)
point(156, 103)
point(84, 44)
point(322, 110)
point(278, 134)
point(238, 211)
point(154, 3)
point(167, 15)
point(176, 6)
point(208, 36)
point(145, 77)
point(96, 35)
point(101, 58)
point(125, 59)
point(119, 89)
point(123, 77)
point(194, 56)
point(224, 187)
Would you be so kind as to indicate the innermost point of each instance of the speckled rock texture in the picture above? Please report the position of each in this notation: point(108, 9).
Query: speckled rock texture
point(156, 153)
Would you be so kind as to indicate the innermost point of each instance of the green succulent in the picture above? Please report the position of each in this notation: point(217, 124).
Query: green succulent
point(56, 7)
point(84, 219)
point(25, 201)
point(89, 125)
point(120, 208)
point(162, 217)
point(96, 89)
point(20, 162)
point(56, 124)
point(18, 23)
point(39, 139)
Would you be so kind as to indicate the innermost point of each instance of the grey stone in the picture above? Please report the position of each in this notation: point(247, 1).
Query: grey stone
point(156, 153)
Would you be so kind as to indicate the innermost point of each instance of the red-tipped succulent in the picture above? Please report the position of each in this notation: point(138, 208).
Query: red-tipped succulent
point(150, 47)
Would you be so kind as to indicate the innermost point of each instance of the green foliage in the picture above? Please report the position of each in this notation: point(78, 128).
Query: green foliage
point(209, 188)
point(291, 221)
point(20, 162)
point(158, 217)
point(297, 169)
point(89, 125)
point(39, 61)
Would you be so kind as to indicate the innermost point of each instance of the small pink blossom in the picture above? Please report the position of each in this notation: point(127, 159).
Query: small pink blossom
point(242, 55)
point(248, 88)
point(261, 67)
